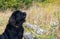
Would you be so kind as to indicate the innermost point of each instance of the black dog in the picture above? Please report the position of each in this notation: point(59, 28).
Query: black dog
point(14, 29)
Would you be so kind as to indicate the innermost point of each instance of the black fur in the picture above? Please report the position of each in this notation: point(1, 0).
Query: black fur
point(14, 28)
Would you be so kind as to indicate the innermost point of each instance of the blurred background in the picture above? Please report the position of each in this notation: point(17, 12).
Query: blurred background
point(42, 21)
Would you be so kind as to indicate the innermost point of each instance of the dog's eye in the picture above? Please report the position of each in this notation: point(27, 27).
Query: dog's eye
point(24, 16)
point(16, 26)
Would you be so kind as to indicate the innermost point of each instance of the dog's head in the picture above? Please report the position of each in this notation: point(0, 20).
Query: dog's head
point(17, 18)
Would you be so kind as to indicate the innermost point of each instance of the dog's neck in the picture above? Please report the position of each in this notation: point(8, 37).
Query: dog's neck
point(10, 26)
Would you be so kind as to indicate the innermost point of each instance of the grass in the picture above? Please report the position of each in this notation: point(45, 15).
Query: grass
point(40, 14)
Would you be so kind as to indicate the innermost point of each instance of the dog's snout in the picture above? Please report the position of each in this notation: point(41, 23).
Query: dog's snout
point(24, 14)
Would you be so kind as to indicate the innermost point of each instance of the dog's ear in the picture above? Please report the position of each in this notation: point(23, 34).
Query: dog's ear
point(12, 19)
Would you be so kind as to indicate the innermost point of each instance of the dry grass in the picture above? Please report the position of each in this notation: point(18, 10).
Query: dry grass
point(4, 16)
point(39, 15)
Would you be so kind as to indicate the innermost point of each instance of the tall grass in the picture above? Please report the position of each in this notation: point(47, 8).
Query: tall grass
point(43, 14)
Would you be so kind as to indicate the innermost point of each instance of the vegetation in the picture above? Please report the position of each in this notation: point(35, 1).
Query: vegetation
point(43, 13)
point(16, 4)
point(5, 4)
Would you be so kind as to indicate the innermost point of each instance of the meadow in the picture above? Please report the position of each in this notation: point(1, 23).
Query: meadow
point(45, 15)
